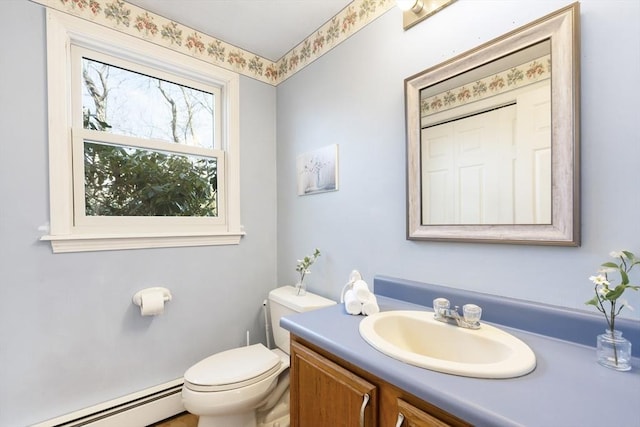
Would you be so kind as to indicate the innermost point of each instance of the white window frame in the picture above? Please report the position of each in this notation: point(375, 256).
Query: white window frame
point(72, 231)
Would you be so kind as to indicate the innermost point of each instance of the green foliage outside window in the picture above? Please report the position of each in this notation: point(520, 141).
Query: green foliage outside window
point(127, 181)
point(134, 182)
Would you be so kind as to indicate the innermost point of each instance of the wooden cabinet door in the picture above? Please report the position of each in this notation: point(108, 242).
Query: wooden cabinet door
point(410, 416)
point(324, 394)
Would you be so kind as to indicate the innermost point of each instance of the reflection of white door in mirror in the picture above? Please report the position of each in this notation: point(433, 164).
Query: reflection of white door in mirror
point(492, 167)
point(532, 175)
point(467, 170)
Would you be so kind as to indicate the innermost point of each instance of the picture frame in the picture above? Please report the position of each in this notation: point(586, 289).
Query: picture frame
point(317, 171)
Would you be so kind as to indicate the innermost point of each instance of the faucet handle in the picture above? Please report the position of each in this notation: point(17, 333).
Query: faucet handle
point(471, 313)
point(440, 304)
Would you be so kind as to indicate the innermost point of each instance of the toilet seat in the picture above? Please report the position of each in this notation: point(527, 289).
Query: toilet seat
point(232, 369)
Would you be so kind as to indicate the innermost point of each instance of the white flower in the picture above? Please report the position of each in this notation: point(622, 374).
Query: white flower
point(607, 296)
point(617, 254)
point(303, 264)
point(599, 280)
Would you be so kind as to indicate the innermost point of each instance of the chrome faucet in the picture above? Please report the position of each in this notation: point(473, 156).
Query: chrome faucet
point(470, 318)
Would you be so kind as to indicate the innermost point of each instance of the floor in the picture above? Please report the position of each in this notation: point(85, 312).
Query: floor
point(181, 420)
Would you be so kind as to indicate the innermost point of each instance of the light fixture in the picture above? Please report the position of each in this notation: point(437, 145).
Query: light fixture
point(414, 6)
point(415, 11)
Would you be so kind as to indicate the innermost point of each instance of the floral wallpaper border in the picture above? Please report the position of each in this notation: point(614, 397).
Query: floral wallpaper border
point(516, 77)
point(137, 22)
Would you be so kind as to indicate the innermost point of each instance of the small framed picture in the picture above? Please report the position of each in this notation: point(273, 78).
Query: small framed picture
point(318, 171)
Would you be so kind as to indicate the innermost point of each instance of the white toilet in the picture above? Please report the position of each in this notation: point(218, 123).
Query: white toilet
point(248, 386)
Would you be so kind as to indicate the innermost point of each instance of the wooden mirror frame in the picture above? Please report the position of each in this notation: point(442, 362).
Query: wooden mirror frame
point(562, 29)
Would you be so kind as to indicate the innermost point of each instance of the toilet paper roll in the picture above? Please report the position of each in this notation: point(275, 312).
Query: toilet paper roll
point(351, 303)
point(152, 303)
point(370, 306)
point(361, 290)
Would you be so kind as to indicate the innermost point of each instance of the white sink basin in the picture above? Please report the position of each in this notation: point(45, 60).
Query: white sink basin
point(415, 337)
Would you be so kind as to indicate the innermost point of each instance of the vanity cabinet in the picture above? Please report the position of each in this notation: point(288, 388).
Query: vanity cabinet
point(408, 415)
point(325, 394)
point(329, 391)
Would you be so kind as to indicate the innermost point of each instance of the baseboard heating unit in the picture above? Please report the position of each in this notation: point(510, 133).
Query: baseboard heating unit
point(134, 410)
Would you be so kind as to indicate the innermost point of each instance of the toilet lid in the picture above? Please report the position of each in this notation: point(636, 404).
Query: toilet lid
point(233, 368)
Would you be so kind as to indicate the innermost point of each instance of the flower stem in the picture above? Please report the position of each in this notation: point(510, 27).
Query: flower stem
point(613, 337)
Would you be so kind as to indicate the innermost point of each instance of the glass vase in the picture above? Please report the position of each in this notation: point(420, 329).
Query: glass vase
point(614, 351)
point(301, 289)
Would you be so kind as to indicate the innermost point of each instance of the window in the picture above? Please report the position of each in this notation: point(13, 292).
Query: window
point(142, 140)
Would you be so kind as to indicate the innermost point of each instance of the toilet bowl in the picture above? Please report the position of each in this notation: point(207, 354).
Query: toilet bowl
point(227, 388)
point(248, 386)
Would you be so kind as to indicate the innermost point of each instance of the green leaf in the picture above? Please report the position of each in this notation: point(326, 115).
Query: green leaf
point(610, 265)
point(624, 276)
point(593, 301)
point(615, 293)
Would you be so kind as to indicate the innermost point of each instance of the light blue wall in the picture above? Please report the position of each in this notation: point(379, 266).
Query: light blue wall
point(353, 96)
point(69, 335)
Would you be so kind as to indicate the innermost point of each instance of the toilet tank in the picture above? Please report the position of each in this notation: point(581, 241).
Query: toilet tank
point(284, 301)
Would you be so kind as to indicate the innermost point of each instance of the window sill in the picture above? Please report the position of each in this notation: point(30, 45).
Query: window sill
point(99, 242)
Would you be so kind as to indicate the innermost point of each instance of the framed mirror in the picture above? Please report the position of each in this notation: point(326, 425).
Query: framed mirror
point(493, 140)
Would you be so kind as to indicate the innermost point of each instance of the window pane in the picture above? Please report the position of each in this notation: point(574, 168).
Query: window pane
point(126, 181)
point(128, 103)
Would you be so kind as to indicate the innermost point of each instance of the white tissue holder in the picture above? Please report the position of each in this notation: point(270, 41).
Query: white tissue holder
point(137, 297)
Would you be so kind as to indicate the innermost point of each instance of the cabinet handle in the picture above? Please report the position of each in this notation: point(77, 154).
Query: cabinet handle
point(400, 419)
point(365, 400)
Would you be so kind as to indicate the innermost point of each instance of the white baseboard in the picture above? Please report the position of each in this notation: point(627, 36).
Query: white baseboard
point(134, 410)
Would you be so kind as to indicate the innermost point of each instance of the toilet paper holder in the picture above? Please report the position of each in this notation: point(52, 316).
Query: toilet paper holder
point(137, 297)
